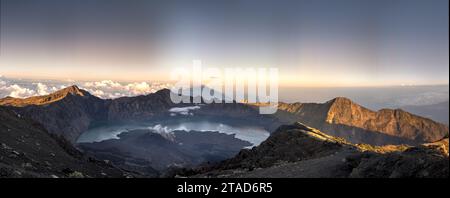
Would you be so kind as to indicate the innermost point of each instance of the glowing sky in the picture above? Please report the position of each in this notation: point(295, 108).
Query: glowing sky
point(312, 42)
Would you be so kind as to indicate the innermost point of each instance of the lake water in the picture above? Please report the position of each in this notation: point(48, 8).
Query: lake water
point(253, 134)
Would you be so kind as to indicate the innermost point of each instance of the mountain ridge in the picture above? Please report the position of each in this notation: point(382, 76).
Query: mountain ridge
point(74, 114)
point(71, 111)
point(344, 118)
point(44, 99)
point(67, 112)
point(300, 151)
point(320, 134)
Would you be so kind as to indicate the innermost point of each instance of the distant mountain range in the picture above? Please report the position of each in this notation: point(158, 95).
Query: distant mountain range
point(69, 112)
point(438, 112)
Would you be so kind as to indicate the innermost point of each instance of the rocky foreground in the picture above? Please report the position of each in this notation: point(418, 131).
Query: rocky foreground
point(28, 150)
point(303, 152)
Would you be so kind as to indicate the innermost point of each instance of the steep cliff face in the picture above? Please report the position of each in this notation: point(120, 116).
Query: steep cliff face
point(343, 118)
point(71, 111)
point(392, 122)
point(295, 150)
point(301, 151)
point(67, 112)
point(289, 143)
point(27, 150)
point(140, 107)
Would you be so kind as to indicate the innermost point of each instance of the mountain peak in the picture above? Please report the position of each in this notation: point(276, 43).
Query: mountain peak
point(341, 108)
point(340, 101)
point(46, 99)
point(164, 91)
point(73, 90)
point(61, 94)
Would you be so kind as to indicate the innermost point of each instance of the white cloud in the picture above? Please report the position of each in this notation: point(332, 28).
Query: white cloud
point(183, 110)
point(17, 91)
point(2, 82)
point(165, 131)
point(103, 89)
point(99, 93)
point(138, 88)
point(42, 89)
point(104, 83)
point(111, 89)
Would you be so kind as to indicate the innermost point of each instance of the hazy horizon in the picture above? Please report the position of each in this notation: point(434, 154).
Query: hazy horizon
point(371, 97)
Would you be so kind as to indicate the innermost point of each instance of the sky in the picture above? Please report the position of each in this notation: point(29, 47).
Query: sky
point(314, 43)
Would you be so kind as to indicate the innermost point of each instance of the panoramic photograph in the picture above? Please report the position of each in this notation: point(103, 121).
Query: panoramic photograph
point(229, 89)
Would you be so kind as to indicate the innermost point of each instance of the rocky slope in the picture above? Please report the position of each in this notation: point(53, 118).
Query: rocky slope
point(44, 100)
point(71, 111)
point(66, 113)
point(140, 107)
point(27, 150)
point(300, 151)
point(341, 117)
point(152, 154)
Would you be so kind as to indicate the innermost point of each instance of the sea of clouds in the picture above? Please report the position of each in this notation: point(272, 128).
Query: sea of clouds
point(23, 88)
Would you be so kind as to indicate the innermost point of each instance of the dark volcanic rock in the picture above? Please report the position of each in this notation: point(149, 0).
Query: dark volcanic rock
point(413, 162)
point(71, 111)
point(140, 107)
point(150, 153)
point(341, 117)
point(66, 113)
point(27, 150)
point(283, 146)
point(301, 151)
point(296, 150)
